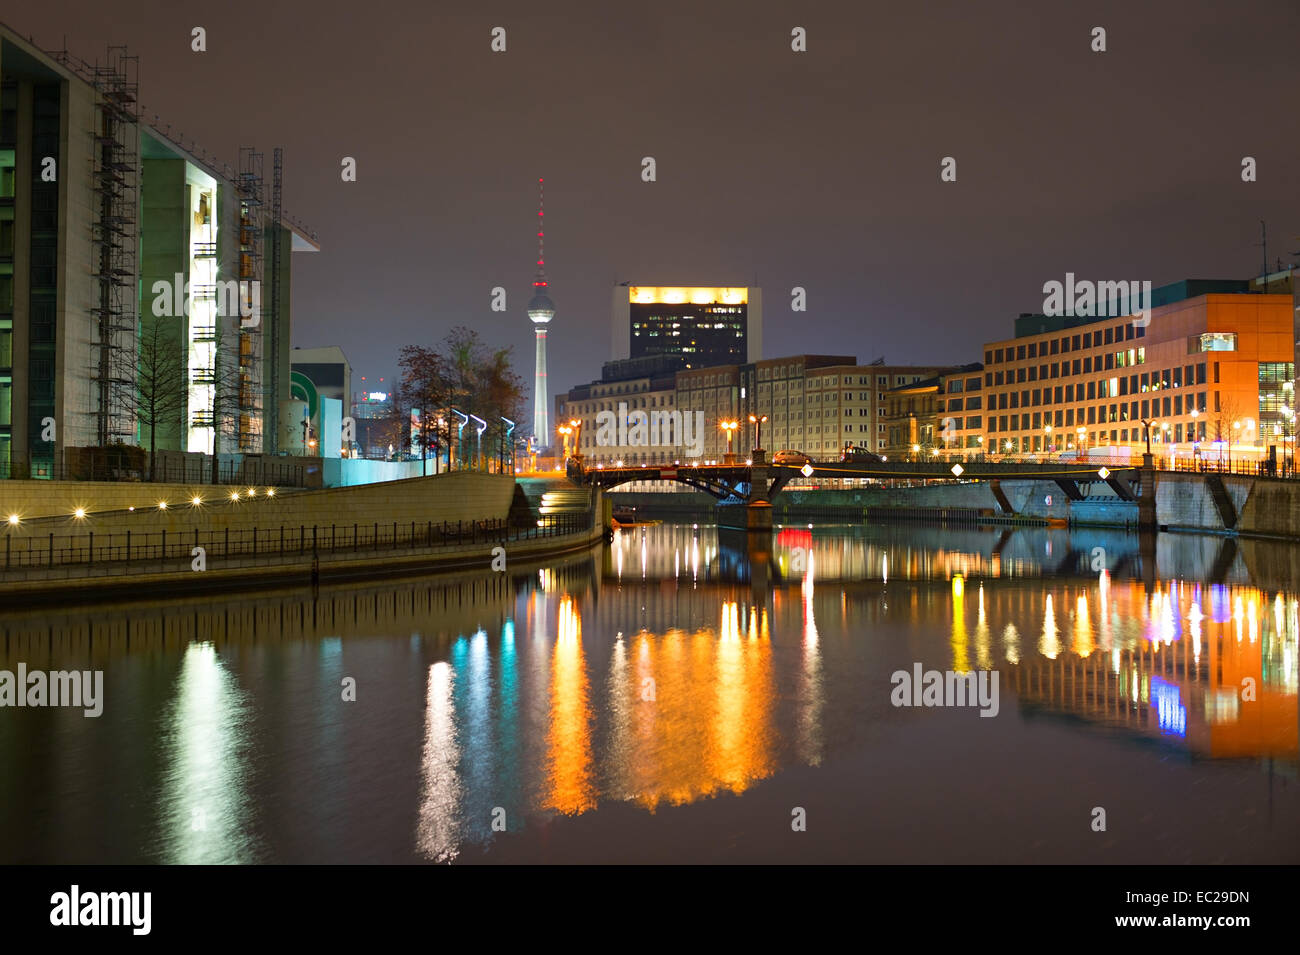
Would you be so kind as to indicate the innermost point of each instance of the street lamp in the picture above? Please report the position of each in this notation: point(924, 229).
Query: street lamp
point(1196, 439)
point(507, 442)
point(479, 463)
point(1146, 424)
point(565, 430)
point(1083, 436)
point(460, 435)
point(730, 428)
point(576, 425)
point(758, 435)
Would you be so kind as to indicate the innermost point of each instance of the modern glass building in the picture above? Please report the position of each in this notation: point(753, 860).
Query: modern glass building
point(144, 285)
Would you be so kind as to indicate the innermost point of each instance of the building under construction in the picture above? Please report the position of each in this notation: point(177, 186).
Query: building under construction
point(144, 284)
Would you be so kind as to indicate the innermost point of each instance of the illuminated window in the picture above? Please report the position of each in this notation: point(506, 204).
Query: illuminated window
point(1218, 341)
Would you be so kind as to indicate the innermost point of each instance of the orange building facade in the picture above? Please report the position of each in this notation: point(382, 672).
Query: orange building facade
point(1211, 375)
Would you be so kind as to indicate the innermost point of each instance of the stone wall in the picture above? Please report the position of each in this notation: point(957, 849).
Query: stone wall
point(458, 496)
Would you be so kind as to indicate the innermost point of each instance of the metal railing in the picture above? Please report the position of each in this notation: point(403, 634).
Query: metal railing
point(105, 554)
point(1282, 469)
point(167, 470)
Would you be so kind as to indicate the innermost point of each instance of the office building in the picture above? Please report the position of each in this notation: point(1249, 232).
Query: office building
point(934, 415)
point(706, 325)
point(144, 285)
point(817, 404)
point(1211, 374)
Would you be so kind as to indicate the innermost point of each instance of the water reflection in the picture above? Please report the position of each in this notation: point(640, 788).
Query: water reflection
point(203, 802)
point(676, 666)
point(438, 831)
point(569, 787)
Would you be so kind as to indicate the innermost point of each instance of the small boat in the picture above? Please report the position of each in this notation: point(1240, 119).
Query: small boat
point(625, 516)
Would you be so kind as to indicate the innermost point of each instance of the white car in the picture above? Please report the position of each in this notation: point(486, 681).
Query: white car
point(795, 458)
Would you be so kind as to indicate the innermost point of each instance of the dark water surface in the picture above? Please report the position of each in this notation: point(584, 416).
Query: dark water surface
point(681, 696)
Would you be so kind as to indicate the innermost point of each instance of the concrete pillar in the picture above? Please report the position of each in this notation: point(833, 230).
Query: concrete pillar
point(1147, 499)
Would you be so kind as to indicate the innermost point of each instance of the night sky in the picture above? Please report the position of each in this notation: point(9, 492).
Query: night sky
point(818, 169)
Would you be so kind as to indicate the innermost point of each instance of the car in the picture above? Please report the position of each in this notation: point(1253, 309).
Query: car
point(795, 458)
point(855, 455)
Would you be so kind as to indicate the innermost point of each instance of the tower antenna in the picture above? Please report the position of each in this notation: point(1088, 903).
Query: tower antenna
point(540, 281)
point(540, 312)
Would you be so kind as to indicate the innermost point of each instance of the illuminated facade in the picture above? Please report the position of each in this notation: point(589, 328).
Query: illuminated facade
point(1213, 372)
point(53, 284)
point(706, 325)
point(112, 236)
point(817, 404)
point(943, 412)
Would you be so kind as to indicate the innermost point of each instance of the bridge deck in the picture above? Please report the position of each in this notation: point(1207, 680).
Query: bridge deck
point(725, 480)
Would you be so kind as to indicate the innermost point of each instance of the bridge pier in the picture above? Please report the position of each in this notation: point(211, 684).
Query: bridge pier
point(1147, 499)
point(752, 516)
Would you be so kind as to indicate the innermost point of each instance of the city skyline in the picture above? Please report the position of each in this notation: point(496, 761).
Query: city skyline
point(877, 240)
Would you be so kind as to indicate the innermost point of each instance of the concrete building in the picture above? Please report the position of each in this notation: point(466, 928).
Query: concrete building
point(330, 372)
point(144, 286)
point(846, 404)
point(323, 378)
point(817, 404)
point(1212, 373)
point(606, 411)
point(935, 415)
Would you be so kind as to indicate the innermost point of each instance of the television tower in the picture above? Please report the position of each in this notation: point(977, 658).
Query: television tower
point(540, 312)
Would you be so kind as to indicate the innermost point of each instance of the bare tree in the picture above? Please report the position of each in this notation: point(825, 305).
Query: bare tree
point(161, 382)
point(233, 392)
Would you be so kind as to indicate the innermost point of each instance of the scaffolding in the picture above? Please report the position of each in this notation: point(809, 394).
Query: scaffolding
point(273, 318)
point(116, 179)
point(251, 428)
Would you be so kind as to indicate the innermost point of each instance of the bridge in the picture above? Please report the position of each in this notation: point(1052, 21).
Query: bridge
point(759, 483)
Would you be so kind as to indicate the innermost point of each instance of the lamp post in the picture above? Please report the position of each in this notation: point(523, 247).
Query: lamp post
point(1048, 447)
point(1288, 415)
point(1082, 432)
point(1146, 425)
point(1288, 438)
point(507, 441)
point(1196, 440)
point(479, 463)
point(565, 430)
point(576, 425)
point(730, 428)
point(757, 421)
point(460, 431)
point(1232, 437)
